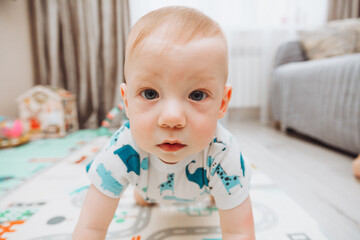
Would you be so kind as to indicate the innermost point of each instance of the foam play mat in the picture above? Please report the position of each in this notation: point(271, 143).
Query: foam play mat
point(19, 164)
point(45, 204)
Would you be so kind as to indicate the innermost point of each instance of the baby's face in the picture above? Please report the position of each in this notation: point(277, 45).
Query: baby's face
point(175, 95)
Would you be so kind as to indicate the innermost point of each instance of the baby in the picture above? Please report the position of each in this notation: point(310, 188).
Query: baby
point(172, 149)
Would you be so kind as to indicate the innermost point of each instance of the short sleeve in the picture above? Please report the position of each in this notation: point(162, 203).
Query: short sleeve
point(229, 173)
point(107, 172)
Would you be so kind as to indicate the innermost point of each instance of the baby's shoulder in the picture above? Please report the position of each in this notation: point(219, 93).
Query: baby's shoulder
point(223, 142)
point(222, 151)
point(223, 136)
point(121, 137)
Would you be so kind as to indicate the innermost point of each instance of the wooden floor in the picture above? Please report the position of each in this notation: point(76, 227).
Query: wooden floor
point(318, 178)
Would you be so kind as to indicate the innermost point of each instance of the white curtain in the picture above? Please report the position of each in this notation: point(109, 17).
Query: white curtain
point(254, 30)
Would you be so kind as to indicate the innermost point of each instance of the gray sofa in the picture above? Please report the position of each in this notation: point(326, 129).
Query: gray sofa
point(318, 98)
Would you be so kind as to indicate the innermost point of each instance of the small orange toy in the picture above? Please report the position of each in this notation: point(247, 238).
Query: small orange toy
point(8, 227)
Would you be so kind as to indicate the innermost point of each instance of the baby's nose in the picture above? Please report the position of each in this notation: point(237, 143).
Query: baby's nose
point(172, 115)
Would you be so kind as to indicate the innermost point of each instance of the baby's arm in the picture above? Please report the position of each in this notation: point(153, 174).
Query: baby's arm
point(96, 214)
point(238, 223)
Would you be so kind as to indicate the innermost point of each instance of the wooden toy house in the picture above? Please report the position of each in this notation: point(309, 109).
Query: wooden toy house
point(48, 112)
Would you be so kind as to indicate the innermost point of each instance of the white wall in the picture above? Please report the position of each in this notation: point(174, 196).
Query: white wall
point(16, 69)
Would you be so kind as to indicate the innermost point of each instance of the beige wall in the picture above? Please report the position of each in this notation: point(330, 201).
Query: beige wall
point(16, 70)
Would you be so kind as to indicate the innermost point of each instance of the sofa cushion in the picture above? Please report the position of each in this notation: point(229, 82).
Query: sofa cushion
point(336, 38)
point(328, 42)
point(352, 24)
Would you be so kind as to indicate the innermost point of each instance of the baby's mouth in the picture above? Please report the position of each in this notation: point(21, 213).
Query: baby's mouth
point(171, 146)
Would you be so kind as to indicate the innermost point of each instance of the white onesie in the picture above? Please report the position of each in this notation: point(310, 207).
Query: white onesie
point(218, 170)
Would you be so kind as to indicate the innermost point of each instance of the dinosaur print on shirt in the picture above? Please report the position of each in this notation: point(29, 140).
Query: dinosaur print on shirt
point(198, 177)
point(242, 164)
point(168, 184)
point(130, 158)
point(228, 181)
point(115, 137)
point(108, 181)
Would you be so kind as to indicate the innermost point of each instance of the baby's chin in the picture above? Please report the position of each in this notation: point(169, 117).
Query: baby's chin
point(174, 157)
point(167, 162)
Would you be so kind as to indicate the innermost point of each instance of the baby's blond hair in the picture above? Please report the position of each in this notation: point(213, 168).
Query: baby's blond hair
point(182, 24)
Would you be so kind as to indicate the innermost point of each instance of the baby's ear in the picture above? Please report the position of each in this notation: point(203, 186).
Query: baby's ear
point(225, 100)
point(123, 91)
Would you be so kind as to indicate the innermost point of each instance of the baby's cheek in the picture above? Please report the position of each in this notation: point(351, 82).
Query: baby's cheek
point(205, 131)
point(140, 129)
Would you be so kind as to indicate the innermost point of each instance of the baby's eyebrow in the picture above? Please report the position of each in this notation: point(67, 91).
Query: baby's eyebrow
point(147, 76)
point(141, 80)
point(204, 77)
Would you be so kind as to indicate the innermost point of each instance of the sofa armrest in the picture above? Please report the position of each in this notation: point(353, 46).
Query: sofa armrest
point(321, 99)
point(289, 52)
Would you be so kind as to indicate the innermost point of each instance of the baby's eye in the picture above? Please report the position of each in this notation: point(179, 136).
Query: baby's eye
point(198, 95)
point(149, 94)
